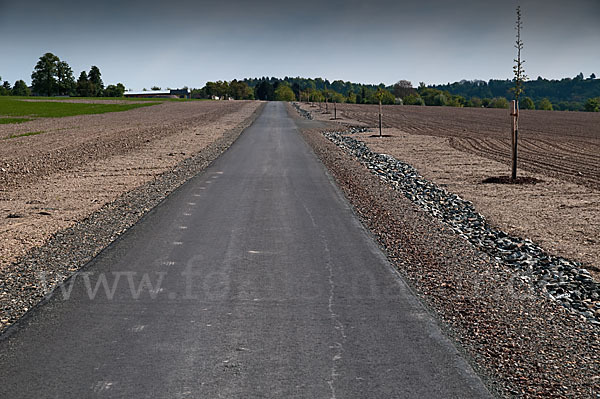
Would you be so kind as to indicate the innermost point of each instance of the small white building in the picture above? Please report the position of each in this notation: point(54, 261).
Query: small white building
point(170, 93)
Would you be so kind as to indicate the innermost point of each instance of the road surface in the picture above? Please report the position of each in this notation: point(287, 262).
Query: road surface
point(253, 280)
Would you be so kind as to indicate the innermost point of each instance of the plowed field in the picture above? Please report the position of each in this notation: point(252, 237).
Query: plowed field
point(565, 145)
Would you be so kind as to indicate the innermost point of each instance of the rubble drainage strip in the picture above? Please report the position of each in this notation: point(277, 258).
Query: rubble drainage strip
point(561, 279)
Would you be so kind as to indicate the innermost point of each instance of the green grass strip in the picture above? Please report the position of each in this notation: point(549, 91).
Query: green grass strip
point(50, 109)
point(23, 135)
point(6, 121)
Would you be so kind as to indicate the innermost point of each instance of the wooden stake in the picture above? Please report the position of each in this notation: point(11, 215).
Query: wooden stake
point(514, 112)
point(380, 135)
point(334, 110)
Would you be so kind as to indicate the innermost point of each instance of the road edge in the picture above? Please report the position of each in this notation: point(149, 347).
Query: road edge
point(69, 250)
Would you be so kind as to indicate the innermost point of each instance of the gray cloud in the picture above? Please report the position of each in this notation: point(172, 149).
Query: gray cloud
point(179, 42)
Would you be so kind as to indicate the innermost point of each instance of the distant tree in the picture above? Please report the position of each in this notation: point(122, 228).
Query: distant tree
point(337, 97)
point(20, 89)
point(317, 96)
point(592, 105)
point(527, 103)
point(351, 99)
point(84, 88)
point(114, 90)
point(475, 102)
point(155, 88)
point(579, 76)
point(456, 101)
point(440, 99)
point(544, 104)
point(284, 93)
point(382, 94)
point(210, 89)
point(222, 89)
point(568, 106)
point(5, 88)
point(593, 76)
point(240, 90)
point(95, 78)
point(363, 94)
point(498, 102)
point(296, 89)
point(65, 80)
point(218, 88)
point(413, 99)
point(264, 91)
point(198, 93)
point(433, 96)
point(43, 78)
point(403, 88)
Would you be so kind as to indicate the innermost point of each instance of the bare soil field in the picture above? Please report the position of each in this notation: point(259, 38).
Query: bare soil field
point(459, 148)
point(52, 180)
point(559, 144)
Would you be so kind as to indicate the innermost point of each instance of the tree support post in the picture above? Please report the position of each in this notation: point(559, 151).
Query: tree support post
point(334, 110)
point(380, 135)
point(514, 112)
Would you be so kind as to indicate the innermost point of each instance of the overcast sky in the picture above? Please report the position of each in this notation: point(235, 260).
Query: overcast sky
point(172, 43)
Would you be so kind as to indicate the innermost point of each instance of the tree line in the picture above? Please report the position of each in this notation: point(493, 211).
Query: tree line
point(576, 94)
point(567, 94)
point(54, 77)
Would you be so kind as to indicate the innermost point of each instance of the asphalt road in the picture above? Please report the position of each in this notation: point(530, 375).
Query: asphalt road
point(253, 280)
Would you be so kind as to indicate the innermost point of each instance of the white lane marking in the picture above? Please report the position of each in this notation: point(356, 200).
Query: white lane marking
point(254, 252)
point(197, 195)
point(101, 386)
point(177, 243)
point(138, 328)
point(219, 173)
point(202, 188)
point(168, 263)
point(183, 227)
point(187, 214)
point(191, 203)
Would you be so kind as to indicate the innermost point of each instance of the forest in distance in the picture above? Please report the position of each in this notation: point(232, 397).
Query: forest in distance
point(52, 76)
point(568, 94)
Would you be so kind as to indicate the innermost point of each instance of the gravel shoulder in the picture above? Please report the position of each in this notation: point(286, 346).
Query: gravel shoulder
point(53, 223)
point(523, 343)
